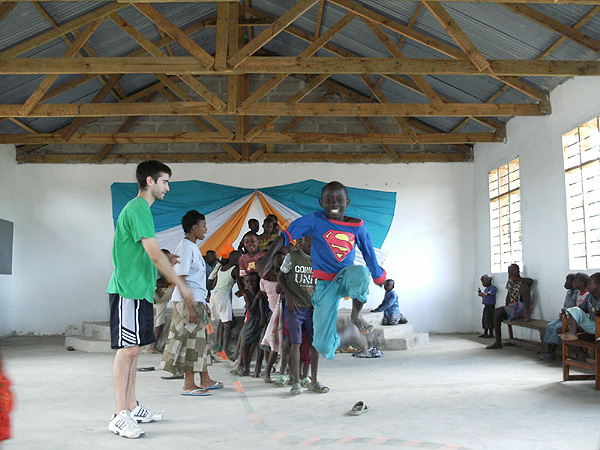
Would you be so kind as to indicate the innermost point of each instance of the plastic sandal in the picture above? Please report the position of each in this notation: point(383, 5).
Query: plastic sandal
point(319, 388)
point(296, 389)
point(358, 409)
point(305, 383)
point(280, 381)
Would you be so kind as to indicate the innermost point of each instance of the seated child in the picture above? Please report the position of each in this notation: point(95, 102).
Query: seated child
point(187, 348)
point(389, 306)
point(517, 305)
point(584, 316)
point(489, 301)
point(553, 328)
point(334, 237)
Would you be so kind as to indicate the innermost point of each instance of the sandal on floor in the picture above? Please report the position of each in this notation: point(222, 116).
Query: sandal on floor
point(319, 388)
point(296, 389)
point(280, 381)
point(305, 383)
point(358, 409)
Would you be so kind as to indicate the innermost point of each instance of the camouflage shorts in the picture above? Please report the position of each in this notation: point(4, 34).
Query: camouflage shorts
point(186, 349)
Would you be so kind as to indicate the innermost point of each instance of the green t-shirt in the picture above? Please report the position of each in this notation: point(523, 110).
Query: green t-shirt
point(298, 270)
point(134, 275)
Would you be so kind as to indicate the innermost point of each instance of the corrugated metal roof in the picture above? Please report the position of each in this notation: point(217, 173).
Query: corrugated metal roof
point(497, 32)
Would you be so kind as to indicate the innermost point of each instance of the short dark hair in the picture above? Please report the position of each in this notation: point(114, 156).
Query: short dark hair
point(595, 277)
point(190, 219)
point(273, 217)
point(334, 185)
point(571, 276)
point(583, 277)
point(151, 168)
point(253, 221)
point(253, 275)
point(249, 233)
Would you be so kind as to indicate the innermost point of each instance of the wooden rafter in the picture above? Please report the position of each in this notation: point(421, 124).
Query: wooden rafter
point(5, 9)
point(265, 137)
point(122, 129)
point(310, 86)
point(183, 65)
point(222, 36)
point(458, 35)
point(308, 52)
point(65, 28)
point(271, 32)
point(382, 98)
point(192, 108)
point(395, 51)
point(49, 80)
point(554, 25)
point(342, 157)
point(178, 35)
point(319, 19)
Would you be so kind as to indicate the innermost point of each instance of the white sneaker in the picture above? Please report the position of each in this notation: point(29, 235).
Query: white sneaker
point(125, 426)
point(142, 414)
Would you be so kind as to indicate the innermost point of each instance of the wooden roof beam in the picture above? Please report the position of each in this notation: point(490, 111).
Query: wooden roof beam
point(458, 35)
point(49, 80)
point(345, 157)
point(65, 28)
point(266, 137)
point(128, 108)
point(395, 51)
point(178, 35)
point(271, 32)
point(291, 65)
point(307, 52)
point(400, 28)
point(382, 98)
point(554, 25)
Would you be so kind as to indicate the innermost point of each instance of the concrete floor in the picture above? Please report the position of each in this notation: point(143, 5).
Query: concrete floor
point(450, 394)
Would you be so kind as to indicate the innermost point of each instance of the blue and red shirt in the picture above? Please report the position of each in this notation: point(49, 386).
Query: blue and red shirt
point(333, 245)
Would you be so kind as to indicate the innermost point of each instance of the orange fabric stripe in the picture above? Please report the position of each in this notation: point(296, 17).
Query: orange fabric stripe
point(229, 232)
point(268, 209)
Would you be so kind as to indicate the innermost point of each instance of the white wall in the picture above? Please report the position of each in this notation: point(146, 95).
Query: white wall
point(538, 143)
point(64, 236)
point(7, 212)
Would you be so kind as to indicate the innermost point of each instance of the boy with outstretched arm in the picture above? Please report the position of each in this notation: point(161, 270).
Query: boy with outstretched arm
point(334, 237)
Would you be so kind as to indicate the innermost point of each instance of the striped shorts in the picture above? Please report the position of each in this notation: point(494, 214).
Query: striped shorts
point(131, 322)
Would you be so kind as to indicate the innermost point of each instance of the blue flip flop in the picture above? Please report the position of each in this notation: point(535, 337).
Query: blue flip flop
point(196, 393)
point(217, 385)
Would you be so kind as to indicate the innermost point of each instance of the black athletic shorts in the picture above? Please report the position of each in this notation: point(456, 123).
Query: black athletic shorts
point(131, 322)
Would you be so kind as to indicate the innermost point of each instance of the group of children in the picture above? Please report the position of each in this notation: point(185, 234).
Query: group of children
point(291, 295)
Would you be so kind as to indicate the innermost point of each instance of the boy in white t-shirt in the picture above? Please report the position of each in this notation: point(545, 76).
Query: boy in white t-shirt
point(187, 350)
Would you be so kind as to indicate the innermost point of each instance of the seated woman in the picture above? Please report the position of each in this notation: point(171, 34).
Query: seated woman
point(517, 305)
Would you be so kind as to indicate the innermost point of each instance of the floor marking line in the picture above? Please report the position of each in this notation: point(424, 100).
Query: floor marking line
point(309, 441)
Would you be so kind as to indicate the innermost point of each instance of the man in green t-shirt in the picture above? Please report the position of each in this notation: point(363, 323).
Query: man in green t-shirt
point(136, 255)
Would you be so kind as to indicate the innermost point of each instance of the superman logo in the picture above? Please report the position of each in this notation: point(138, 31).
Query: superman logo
point(340, 243)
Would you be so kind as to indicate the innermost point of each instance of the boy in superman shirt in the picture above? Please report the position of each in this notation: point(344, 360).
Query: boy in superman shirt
point(334, 237)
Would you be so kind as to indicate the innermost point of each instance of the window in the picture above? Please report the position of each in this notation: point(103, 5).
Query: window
point(505, 216)
point(581, 155)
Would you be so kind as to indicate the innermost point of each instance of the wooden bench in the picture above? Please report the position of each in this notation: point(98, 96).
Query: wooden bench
point(586, 341)
point(534, 324)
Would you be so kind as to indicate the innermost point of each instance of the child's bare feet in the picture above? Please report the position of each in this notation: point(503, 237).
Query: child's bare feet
point(256, 374)
point(363, 327)
point(243, 372)
point(267, 377)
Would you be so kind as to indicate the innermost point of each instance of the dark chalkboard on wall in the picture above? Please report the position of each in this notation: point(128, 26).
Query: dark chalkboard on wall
point(6, 247)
